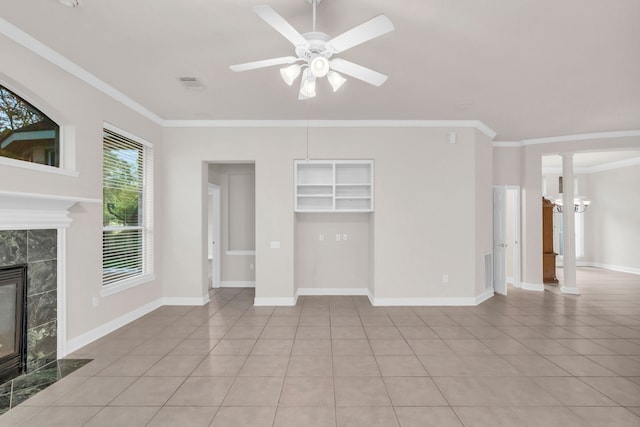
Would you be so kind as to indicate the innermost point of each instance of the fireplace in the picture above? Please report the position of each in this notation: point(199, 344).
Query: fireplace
point(12, 321)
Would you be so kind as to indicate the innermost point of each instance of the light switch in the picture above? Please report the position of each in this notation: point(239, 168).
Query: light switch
point(338, 237)
point(321, 237)
point(344, 237)
point(275, 245)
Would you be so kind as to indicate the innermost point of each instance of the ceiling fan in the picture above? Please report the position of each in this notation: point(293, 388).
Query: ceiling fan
point(314, 51)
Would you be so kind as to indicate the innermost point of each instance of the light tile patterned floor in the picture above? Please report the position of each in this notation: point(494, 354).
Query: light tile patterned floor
point(529, 359)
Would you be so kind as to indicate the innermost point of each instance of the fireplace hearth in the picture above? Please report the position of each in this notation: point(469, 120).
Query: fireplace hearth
point(12, 321)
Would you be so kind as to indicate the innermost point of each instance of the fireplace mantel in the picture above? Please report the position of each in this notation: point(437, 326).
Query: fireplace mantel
point(36, 211)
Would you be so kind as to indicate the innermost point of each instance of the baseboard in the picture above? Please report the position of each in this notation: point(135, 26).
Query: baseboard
point(271, 302)
point(99, 332)
point(332, 291)
point(538, 287)
point(571, 290)
point(237, 284)
point(620, 268)
point(484, 296)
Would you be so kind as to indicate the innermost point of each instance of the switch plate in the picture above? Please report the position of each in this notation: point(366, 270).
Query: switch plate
point(95, 301)
point(445, 278)
point(344, 237)
point(275, 245)
point(251, 266)
point(321, 237)
point(338, 237)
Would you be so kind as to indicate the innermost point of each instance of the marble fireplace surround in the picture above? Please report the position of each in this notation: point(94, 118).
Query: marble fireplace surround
point(37, 223)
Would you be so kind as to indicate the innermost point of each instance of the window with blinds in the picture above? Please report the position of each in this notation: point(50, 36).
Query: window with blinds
point(127, 209)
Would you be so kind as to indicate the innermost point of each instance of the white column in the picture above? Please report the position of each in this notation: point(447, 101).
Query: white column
point(568, 228)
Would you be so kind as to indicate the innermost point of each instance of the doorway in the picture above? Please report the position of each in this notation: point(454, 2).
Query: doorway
point(231, 227)
point(506, 237)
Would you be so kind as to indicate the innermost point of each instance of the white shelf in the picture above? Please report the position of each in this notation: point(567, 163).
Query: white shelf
point(333, 185)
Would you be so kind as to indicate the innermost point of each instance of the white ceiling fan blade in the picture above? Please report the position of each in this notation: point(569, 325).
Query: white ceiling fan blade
point(263, 63)
point(364, 32)
point(358, 71)
point(272, 18)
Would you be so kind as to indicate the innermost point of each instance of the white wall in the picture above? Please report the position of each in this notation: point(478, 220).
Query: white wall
point(427, 216)
point(332, 263)
point(82, 109)
point(612, 222)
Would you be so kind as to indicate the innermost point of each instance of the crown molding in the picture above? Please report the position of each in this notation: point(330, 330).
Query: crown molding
point(582, 137)
point(39, 48)
point(618, 164)
point(476, 124)
point(507, 143)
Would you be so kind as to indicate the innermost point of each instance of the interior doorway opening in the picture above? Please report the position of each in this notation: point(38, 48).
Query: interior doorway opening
point(231, 229)
point(506, 238)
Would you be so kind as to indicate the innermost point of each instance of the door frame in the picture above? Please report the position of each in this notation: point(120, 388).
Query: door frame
point(213, 220)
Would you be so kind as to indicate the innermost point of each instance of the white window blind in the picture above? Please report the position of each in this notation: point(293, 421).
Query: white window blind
point(127, 235)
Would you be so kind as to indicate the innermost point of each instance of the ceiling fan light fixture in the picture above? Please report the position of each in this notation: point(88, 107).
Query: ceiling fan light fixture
point(307, 85)
point(290, 73)
point(335, 80)
point(319, 66)
point(70, 3)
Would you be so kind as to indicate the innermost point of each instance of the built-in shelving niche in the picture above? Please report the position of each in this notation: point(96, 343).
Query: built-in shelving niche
point(333, 186)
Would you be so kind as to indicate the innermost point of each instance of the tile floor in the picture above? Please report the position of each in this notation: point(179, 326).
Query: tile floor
point(529, 359)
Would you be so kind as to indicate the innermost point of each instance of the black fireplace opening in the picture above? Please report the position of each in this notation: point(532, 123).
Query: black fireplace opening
point(13, 330)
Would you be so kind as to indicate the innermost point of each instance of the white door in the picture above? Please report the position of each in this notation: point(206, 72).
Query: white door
point(213, 235)
point(499, 240)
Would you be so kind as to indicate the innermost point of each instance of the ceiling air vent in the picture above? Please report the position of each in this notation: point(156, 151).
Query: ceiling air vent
point(191, 83)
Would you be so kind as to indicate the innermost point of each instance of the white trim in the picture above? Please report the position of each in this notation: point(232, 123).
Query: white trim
point(20, 210)
point(477, 124)
point(620, 268)
point(214, 193)
point(332, 291)
point(240, 253)
point(106, 328)
point(271, 302)
point(614, 165)
point(619, 164)
point(537, 287)
point(122, 132)
point(39, 48)
point(22, 164)
point(571, 290)
point(195, 301)
point(507, 144)
point(484, 296)
point(126, 284)
point(237, 284)
point(61, 294)
point(582, 137)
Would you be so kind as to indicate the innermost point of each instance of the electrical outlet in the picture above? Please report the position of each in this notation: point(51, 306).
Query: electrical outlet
point(95, 301)
point(445, 278)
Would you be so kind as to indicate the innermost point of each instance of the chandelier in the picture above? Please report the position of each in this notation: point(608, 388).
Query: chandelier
point(580, 204)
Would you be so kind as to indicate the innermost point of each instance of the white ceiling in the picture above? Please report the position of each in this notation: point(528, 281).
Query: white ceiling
point(526, 68)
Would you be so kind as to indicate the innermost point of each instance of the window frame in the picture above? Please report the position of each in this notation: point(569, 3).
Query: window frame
point(146, 218)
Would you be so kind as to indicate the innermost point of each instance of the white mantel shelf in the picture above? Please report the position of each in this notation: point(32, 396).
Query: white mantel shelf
point(31, 211)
